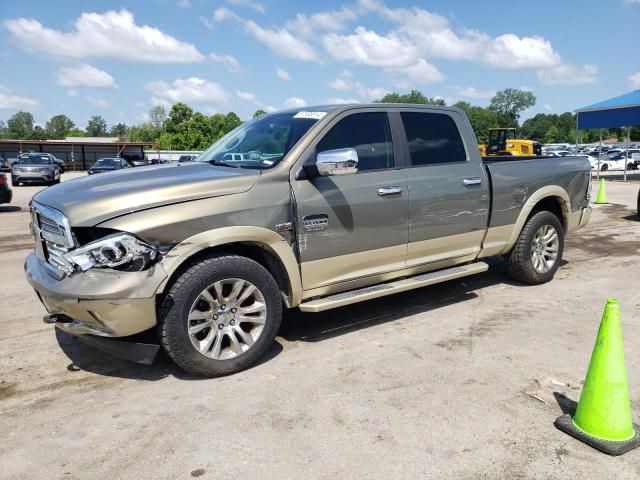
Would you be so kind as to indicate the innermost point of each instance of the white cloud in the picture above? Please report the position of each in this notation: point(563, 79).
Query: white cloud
point(282, 74)
point(192, 89)
point(84, 76)
point(184, 3)
point(72, 92)
point(472, 92)
point(632, 2)
point(280, 40)
point(10, 100)
point(431, 35)
point(338, 100)
point(567, 74)
point(370, 94)
point(97, 101)
point(269, 109)
point(160, 102)
point(331, 21)
point(205, 21)
point(634, 80)
point(548, 107)
point(228, 60)
point(422, 73)
point(246, 96)
point(258, 7)
point(112, 35)
point(343, 82)
point(294, 102)
point(367, 47)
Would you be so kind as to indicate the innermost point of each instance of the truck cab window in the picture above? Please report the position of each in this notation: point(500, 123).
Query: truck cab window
point(433, 138)
point(368, 133)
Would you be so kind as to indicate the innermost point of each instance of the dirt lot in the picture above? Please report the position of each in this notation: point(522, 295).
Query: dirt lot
point(453, 381)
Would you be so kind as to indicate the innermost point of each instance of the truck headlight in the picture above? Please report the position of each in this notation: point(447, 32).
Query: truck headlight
point(120, 250)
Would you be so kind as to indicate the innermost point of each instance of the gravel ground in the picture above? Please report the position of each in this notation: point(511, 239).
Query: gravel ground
point(460, 380)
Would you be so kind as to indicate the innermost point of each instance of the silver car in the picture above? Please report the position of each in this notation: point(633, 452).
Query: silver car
point(35, 168)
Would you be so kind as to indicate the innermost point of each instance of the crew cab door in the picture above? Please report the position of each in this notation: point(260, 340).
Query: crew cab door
point(448, 188)
point(353, 226)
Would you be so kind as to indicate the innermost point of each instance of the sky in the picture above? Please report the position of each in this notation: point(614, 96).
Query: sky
point(118, 60)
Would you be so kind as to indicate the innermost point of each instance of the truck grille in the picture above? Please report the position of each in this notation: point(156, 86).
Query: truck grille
point(53, 238)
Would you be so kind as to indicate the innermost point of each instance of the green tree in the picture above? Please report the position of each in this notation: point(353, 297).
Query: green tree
point(552, 135)
point(414, 96)
point(119, 130)
point(231, 121)
point(76, 132)
point(97, 127)
point(178, 118)
point(509, 103)
point(20, 126)
point(3, 129)
point(157, 117)
point(38, 133)
point(259, 113)
point(58, 127)
point(481, 119)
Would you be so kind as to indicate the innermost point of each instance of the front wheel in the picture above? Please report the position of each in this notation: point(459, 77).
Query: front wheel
point(220, 316)
point(604, 167)
point(536, 255)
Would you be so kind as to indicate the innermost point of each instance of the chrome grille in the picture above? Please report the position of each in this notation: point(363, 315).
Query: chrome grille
point(53, 237)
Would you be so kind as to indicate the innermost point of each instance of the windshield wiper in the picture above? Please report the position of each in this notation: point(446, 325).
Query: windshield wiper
point(224, 164)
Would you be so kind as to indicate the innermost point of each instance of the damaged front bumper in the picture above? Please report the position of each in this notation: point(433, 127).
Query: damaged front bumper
point(103, 303)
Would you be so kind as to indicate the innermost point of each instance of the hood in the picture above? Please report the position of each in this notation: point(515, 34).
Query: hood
point(91, 200)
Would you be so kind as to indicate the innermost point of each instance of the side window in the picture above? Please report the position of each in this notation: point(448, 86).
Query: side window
point(368, 133)
point(433, 138)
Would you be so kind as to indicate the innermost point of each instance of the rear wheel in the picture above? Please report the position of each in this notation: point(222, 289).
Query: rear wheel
point(220, 316)
point(14, 182)
point(536, 255)
point(604, 167)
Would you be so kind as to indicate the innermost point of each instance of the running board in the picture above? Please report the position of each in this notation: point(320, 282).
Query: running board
point(383, 289)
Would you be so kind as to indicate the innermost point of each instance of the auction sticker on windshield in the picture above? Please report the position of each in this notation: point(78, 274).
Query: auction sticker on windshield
point(314, 115)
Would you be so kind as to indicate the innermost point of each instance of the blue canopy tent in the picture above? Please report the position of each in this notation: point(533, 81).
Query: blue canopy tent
point(622, 111)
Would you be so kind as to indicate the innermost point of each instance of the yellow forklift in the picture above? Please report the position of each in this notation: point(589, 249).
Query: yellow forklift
point(503, 141)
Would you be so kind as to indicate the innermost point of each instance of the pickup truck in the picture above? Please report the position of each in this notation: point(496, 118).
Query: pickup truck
point(312, 208)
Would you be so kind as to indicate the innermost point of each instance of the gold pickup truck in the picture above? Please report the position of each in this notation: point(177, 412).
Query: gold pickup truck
point(310, 208)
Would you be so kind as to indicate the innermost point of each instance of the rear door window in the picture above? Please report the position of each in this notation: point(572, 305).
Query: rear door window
point(433, 138)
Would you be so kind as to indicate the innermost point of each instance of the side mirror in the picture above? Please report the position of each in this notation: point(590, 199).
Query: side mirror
point(342, 161)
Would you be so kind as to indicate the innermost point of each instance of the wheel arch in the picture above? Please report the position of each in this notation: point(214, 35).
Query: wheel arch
point(551, 198)
point(259, 244)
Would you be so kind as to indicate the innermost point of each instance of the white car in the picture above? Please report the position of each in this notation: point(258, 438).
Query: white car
point(617, 164)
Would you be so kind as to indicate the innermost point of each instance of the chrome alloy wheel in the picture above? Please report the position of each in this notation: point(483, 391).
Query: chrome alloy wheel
point(227, 318)
point(544, 250)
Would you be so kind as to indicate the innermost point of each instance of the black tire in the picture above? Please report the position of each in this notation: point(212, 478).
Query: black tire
point(604, 167)
point(638, 206)
point(173, 325)
point(519, 259)
point(15, 183)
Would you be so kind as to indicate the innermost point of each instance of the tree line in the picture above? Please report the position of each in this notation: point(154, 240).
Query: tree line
point(183, 129)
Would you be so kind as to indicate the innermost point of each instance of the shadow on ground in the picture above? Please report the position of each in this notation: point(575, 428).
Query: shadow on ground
point(298, 326)
point(9, 208)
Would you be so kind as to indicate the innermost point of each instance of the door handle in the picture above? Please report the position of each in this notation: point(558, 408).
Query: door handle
point(382, 191)
point(471, 181)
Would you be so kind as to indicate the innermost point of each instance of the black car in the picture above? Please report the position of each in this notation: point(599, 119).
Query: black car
point(4, 165)
point(108, 165)
point(5, 192)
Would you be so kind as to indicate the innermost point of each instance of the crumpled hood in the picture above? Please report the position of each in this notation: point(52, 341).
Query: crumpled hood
point(90, 200)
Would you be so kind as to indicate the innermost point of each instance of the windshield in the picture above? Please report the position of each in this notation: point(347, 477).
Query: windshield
point(107, 162)
point(263, 142)
point(34, 160)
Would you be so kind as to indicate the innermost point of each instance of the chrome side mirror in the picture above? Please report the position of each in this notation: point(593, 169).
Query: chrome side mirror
point(342, 161)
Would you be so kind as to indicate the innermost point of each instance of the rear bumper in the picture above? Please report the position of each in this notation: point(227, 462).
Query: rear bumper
point(578, 219)
point(98, 302)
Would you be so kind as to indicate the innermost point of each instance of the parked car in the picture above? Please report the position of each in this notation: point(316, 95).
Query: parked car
point(4, 165)
point(52, 157)
point(334, 205)
point(5, 192)
point(35, 167)
point(617, 162)
point(108, 165)
point(187, 158)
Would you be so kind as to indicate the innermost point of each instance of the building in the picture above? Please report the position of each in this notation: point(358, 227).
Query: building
point(78, 153)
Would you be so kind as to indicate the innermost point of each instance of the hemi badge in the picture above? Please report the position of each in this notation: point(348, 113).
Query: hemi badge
point(284, 227)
